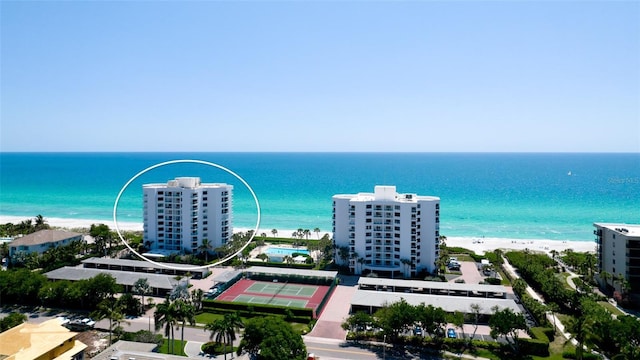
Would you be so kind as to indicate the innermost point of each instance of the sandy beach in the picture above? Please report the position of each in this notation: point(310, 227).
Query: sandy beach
point(477, 244)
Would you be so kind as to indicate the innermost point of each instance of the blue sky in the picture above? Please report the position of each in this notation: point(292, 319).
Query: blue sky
point(320, 76)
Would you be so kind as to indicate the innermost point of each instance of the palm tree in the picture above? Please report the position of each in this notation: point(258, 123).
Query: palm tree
point(287, 259)
point(205, 247)
point(317, 231)
point(109, 309)
point(264, 257)
point(166, 315)
point(306, 233)
point(41, 223)
point(185, 312)
point(224, 330)
point(274, 232)
point(196, 298)
point(605, 276)
point(360, 261)
point(406, 263)
point(141, 287)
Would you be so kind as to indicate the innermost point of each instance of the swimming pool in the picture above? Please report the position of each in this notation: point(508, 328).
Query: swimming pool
point(271, 250)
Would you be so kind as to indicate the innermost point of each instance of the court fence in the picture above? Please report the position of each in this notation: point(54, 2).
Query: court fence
point(291, 278)
point(250, 310)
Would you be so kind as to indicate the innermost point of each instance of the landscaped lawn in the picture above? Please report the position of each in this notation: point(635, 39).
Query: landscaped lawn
point(178, 347)
point(612, 309)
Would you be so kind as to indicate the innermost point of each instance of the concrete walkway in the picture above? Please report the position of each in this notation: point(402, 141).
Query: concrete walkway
point(550, 316)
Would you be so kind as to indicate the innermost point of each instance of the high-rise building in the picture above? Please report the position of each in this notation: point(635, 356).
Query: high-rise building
point(385, 232)
point(182, 213)
point(619, 255)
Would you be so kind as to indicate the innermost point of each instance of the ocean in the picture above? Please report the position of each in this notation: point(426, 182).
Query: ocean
point(505, 195)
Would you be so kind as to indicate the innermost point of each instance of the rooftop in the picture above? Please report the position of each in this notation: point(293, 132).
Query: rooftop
point(141, 264)
point(43, 237)
point(419, 284)
point(31, 341)
point(292, 271)
point(447, 303)
point(632, 230)
point(122, 277)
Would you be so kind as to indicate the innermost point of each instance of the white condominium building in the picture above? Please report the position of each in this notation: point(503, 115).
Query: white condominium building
point(180, 214)
point(386, 233)
point(619, 255)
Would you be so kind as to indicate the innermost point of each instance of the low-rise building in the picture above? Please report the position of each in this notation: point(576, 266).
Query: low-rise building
point(41, 241)
point(47, 340)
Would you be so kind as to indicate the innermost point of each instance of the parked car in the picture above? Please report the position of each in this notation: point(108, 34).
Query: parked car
point(451, 333)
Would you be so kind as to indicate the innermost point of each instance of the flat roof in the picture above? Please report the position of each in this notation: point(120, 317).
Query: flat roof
point(226, 276)
point(30, 341)
point(631, 229)
point(140, 351)
point(292, 271)
point(140, 264)
point(122, 277)
point(418, 284)
point(447, 303)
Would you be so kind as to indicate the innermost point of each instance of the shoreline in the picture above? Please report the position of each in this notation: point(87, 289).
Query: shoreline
point(478, 244)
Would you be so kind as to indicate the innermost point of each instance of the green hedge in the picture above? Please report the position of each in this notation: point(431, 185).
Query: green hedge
point(281, 265)
point(534, 347)
point(542, 333)
point(585, 356)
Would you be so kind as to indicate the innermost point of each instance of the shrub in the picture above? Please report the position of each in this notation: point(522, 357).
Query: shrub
point(213, 348)
point(542, 333)
point(585, 356)
point(534, 347)
point(492, 281)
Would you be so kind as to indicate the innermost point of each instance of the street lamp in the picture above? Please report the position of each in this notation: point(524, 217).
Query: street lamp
point(384, 348)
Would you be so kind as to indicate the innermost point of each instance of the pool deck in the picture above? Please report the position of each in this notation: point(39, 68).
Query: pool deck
point(262, 249)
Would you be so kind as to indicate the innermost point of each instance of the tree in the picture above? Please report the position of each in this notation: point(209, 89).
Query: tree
point(317, 231)
point(109, 309)
point(432, 319)
point(457, 319)
point(101, 236)
point(196, 298)
point(605, 276)
point(396, 317)
point(274, 232)
point(357, 321)
point(264, 257)
point(205, 247)
point(41, 223)
point(185, 313)
point(180, 291)
point(507, 323)
point(273, 338)
point(224, 330)
point(166, 315)
point(11, 320)
point(475, 317)
point(141, 287)
point(407, 264)
point(306, 233)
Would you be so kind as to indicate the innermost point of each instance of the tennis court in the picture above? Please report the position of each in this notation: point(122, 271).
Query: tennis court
point(282, 289)
point(256, 299)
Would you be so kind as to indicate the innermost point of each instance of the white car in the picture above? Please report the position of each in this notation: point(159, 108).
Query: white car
point(88, 322)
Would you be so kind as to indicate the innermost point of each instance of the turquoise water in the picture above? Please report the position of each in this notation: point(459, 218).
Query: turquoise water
point(526, 196)
point(285, 251)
